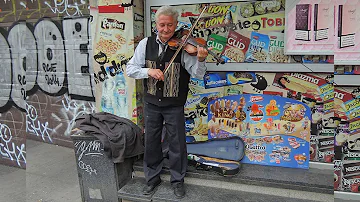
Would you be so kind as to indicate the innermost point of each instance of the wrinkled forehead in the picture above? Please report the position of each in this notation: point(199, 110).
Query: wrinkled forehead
point(166, 19)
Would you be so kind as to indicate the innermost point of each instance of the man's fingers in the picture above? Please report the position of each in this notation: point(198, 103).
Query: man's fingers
point(161, 76)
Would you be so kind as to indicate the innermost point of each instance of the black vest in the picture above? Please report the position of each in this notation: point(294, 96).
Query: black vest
point(174, 89)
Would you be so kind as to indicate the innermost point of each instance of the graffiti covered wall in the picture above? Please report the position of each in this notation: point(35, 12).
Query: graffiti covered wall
point(46, 79)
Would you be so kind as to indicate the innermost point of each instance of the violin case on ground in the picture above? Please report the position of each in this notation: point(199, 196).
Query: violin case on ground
point(222, 167)
point(220, 155)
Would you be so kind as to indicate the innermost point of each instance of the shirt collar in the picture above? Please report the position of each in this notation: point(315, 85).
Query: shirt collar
point(159, 41)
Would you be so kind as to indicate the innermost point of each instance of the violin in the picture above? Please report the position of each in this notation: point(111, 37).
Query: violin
point(191, 44)
point(184, 41)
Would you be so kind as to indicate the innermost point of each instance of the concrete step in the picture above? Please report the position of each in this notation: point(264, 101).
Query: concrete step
point(214, 191)
point(312, 180)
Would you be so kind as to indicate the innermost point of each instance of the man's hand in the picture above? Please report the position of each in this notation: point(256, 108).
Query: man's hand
point(156, 74)
point(202, 53)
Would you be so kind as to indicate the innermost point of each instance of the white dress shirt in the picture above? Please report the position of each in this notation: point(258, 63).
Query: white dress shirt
point(134, 67)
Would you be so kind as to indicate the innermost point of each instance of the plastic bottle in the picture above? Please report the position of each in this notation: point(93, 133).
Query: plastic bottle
point(120, 95)
point(106, 97)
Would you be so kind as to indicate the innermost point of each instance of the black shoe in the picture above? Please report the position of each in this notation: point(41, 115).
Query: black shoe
point(150, 189)
point(179, 190)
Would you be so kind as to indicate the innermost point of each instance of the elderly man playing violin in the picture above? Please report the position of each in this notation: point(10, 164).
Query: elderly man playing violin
point(164, 99)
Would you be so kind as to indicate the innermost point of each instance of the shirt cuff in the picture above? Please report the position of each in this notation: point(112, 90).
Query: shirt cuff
point(144, 72)
point(201, 66)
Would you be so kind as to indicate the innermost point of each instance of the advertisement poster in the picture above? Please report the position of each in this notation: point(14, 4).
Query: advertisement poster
point(347, 31)
point(114, 41)
point(347, 138)
point(310, 27)
point(196, 110)
point(276, 130)
point(238, 31)
point(317, 93)
point(316, 90)
point(219, 79)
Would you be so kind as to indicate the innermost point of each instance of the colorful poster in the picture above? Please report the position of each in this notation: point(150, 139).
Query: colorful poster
point(115, 38)
point(347, 31)
point(238, 31)
point(196, 115)
point(347, 138)
point(310, 27)
point(318, 93)
point(276, 130)
point(324, 27)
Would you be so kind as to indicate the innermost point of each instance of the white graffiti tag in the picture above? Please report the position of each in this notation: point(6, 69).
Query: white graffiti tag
point(64, 7)
point(93, 148)
point(8, 149)
point(71, 111)
point(34, 126)
point(87, 168)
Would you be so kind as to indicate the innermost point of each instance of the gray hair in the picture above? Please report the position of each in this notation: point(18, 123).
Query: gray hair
point(168, 11)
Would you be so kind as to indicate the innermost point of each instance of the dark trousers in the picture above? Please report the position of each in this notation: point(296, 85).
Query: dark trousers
point(173, 117)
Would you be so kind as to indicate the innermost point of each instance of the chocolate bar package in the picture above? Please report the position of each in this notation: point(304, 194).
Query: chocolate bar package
point(326, 149)
point(346, 29)
point(303, 22)
point(351, 176)
point(219, 79)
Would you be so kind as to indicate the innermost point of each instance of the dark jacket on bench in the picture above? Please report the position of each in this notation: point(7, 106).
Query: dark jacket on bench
point(120, 136)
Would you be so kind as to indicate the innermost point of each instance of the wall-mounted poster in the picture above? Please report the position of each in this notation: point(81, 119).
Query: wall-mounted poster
point(347, 31)
point(310, 27)
point(115, 36)
point(239, 31)
point(276, 130)
point(347, 139)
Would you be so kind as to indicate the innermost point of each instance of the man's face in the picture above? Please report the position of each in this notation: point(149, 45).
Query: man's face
point(166, 26)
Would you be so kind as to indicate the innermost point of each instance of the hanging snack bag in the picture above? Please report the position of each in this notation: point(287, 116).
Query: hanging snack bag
point(218, 44)
point(276, 50)
point(236, 47)
point(259, 48)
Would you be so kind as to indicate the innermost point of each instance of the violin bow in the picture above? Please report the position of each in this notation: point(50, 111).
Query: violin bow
point(184, 41)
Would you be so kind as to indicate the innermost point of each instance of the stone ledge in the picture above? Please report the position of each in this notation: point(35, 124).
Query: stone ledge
point(132, 191)
point(312, 180)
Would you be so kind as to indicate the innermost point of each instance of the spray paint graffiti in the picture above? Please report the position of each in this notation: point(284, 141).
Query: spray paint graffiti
point(49, 72)
point(34, 126)
point(8, 149)
point(78, 55)
point(71, 110)
point(63, 7)
point(6, 79)
point(93, 149)
point(45, 74)
point(87, 168)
